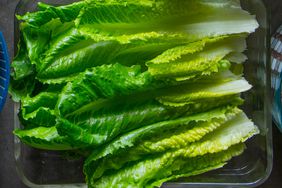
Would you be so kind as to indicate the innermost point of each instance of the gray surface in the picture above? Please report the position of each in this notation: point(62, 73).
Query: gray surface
point(8, 175)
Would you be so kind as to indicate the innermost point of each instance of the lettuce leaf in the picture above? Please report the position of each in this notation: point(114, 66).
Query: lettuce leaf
point(209, 92)
point(21, 65)
point(94, 126)
point(189, 129)
point(125, 18)
point(236, 131)
point(155, 170)
point(76, 52)
point(198, 165)
point(46, 138)
point(39, 110)
point(191, 65)
point(47, 12)
point(19, 89)
point(58, 28)
point(101, 82)
point(106, 81)
point(22, 79)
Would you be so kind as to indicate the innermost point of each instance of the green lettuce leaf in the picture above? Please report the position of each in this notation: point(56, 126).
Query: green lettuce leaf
point(36, 39)
point(173, 54)
point(94, 125)
point(191, 65)
point(46, 138)
point(107, 81)
point(76, 52)
point(65, 13)
point(21, 65)
point(237, 130)
point(60, 55)
point(93, 128)
point(59, 43)
point(90, 54)
point(155, 170)
point(125, 18)
point(22, 74)
point(32, 46)
point(101, 82)
point(189, 129)
point(208, 92)
point(39, 110)
point(19, 89)
point(197, 165)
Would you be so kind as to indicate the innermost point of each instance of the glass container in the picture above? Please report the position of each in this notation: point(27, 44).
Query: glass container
point(38, 168)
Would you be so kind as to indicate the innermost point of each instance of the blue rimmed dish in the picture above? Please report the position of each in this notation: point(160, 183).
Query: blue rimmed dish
point(4, 71)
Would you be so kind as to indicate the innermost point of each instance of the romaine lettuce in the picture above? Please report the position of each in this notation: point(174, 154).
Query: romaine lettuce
point(147, 90)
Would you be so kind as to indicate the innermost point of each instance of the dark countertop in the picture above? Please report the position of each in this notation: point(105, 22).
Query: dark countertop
point(9, 177)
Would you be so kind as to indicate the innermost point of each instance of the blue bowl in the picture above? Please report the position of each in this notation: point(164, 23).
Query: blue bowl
point(4, 71)
point(276, 77)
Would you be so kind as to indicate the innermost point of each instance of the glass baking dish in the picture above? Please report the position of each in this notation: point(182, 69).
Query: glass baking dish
point(39, 168)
